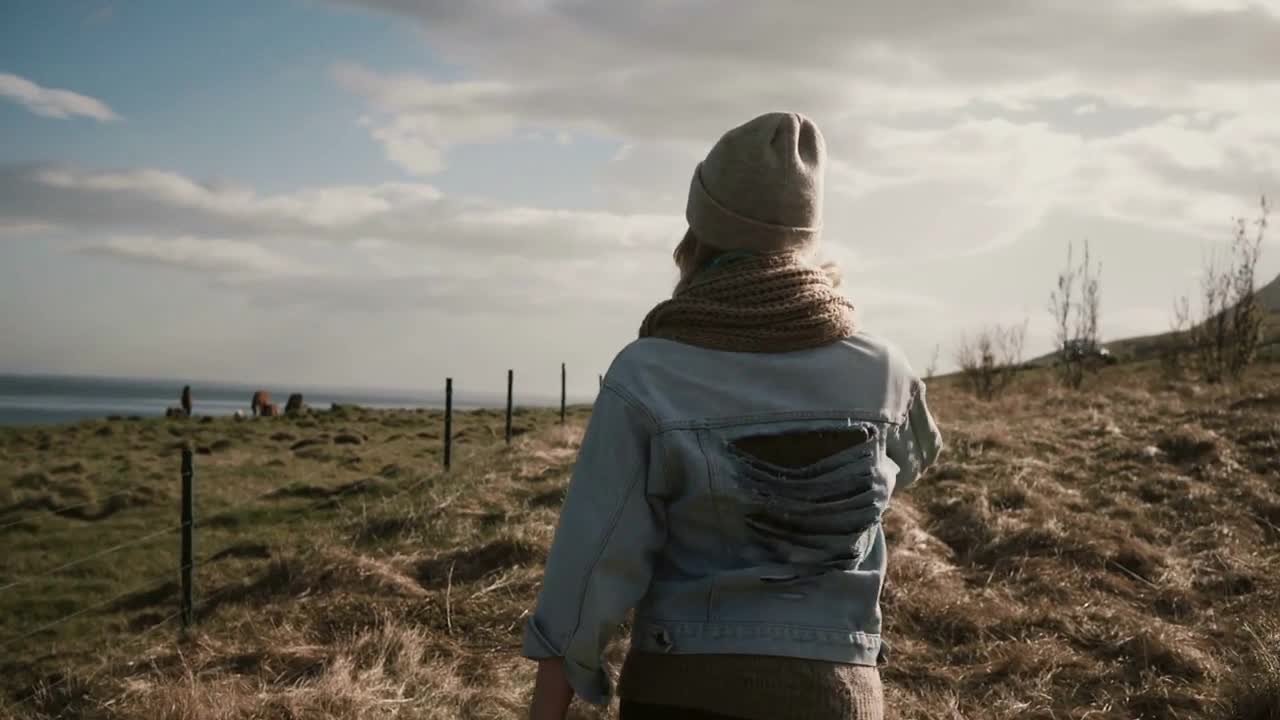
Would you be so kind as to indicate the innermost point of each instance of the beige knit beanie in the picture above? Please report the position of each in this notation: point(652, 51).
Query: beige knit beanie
point(760, 187)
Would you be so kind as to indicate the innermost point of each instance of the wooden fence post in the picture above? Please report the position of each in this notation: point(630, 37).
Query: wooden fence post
point(562, 392)
point(188, 533)
point(448, 421)
point(510, 382)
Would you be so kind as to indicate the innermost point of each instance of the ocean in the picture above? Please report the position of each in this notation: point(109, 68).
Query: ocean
point(49, 399)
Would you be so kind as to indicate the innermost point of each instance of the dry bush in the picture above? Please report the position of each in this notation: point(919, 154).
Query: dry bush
point(1230, 328)
point(1179, 342)
point(1074, 305)
point(989, 360)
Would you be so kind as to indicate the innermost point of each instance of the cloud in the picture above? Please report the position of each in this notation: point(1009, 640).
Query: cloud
point(1148, 116)
point(416, 141)
point(355, 247)
point(19, 228)
point(309, 208)
point(686, 71)
point(52, 102)
point(159, 203)
point(208, 255)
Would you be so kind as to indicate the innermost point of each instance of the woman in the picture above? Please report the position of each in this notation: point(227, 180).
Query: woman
point(734, 472)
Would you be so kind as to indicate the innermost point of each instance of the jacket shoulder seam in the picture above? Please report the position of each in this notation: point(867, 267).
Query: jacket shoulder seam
point(651, 421)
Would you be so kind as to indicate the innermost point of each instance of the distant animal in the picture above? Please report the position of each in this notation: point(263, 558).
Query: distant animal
point(176, 412)
point(261, 399)
point(239, 415)
point(268, 410)
point(186, 399)
point(294, 405)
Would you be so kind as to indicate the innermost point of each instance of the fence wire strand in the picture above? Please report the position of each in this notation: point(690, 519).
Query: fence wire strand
point(66, 678)
point(151, 584)
point(87, 558)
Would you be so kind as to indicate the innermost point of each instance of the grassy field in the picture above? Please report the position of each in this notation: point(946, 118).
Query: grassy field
point(1108, 554)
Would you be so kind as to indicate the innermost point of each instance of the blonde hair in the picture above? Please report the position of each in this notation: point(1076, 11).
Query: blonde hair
point(691, 255)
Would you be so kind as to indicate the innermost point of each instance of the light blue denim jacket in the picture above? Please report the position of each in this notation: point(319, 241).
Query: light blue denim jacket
point(718, 550)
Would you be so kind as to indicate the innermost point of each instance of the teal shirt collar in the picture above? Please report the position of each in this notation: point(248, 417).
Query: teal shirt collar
point(726, 258)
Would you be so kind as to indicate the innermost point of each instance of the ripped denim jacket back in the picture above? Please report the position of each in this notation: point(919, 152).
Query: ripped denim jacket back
point(766, 557)
point(734, 501)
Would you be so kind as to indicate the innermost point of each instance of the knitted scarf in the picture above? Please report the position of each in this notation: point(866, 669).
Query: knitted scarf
point(763, 303)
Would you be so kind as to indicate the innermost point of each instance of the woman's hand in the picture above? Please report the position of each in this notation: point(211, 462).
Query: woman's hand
point(551, 691)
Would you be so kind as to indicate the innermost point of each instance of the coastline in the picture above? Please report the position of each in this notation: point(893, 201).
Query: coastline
point(52, 400)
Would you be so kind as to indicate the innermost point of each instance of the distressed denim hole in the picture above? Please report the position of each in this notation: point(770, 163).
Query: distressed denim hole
point(806, 454)
point(663, 639)
point(809, 499)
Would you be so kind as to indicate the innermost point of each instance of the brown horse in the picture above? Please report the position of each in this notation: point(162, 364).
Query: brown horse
point(261, 400)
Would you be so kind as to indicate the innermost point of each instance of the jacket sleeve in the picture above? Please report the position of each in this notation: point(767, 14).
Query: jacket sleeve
point(915, 443)
point(603, 553)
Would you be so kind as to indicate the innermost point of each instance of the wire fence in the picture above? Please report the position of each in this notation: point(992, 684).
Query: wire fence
point(154, 583)
point(89, 558)
point(181, 577)
point(49, 688)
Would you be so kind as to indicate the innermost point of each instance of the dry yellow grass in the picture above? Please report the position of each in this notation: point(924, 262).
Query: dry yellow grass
point(1109, 554)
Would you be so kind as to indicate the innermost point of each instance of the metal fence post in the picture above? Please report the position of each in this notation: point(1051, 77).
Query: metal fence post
point(188, 535)
point(448, 421)
point(562, 392)
point(510, 383)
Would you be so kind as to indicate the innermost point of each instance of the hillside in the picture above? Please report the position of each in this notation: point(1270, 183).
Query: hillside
point(1110, 554)
point(1269, 295)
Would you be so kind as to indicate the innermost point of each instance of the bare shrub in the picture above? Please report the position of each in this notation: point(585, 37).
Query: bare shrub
point(1247, 314)
point(1213, 334)
point(1230, 328)
point(989, 359)
point(1178, 342)
point(1075, 304)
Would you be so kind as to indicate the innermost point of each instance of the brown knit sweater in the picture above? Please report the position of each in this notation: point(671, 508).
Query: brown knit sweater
point(754, 687)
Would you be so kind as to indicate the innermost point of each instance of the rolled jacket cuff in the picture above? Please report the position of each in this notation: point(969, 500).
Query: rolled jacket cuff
point(591, 683)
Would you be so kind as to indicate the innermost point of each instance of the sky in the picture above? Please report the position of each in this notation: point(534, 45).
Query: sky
point(385, 193)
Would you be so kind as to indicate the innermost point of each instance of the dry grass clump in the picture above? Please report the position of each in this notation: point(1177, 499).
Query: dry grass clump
point(1190, 444)
point(1253, 691)
point(1070, 571)
point(389, 670)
